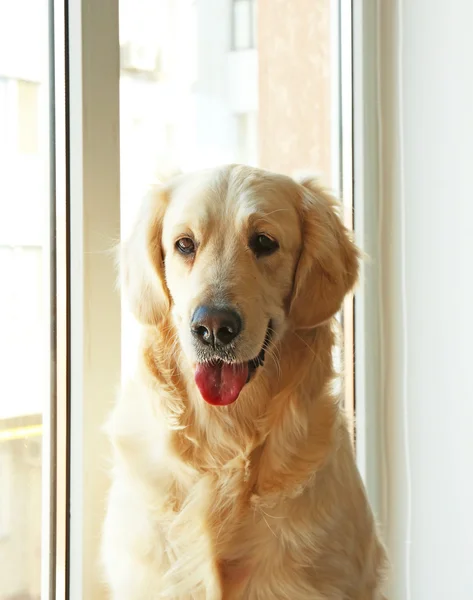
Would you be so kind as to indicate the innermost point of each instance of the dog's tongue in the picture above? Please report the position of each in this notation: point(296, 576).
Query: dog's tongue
point(221, 383)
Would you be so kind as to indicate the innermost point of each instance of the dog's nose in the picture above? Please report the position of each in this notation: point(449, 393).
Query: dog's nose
point(215, 326)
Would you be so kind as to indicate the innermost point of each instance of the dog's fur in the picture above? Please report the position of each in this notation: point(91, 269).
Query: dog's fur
point(260, 499)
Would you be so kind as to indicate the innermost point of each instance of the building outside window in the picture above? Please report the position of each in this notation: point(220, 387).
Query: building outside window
point(244, 25)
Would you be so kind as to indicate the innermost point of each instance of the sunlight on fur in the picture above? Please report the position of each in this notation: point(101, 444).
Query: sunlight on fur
point(234, 475)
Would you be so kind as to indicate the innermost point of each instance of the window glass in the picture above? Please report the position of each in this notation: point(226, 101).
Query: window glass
point(196, 101)
point(189, 101)
point(24, 303)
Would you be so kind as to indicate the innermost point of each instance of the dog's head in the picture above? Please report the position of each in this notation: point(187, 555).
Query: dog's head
point(234, 257)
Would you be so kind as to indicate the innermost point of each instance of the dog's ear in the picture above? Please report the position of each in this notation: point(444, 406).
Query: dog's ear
point(142, 266)
point(328, 263)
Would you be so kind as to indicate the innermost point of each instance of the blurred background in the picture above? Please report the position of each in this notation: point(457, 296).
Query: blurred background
point(206, 82)
point(24, 308)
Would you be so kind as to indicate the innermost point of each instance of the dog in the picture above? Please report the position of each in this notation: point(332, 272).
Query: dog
point(234, 475)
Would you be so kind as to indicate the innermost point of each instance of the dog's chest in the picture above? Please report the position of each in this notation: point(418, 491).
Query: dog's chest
point(219, 498)
point(217, 518)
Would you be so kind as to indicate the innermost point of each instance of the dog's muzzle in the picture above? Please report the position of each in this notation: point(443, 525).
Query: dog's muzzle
point(220, 382)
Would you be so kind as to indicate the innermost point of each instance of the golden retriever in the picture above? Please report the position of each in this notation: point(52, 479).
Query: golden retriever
point(234, 475)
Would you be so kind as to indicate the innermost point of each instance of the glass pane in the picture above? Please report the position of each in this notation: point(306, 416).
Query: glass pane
point(24, 303)
point(189, 101)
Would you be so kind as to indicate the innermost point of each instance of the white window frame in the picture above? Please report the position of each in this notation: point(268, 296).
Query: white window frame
point(342, 174)
point(369, 425)
point(85, 183)
point(94, 151)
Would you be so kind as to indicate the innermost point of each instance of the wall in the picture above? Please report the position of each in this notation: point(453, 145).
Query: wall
point(426, 128)
point(294, 85)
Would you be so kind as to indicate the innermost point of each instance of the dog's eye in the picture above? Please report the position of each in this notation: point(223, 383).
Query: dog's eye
point(185, 245)
point(263, 245)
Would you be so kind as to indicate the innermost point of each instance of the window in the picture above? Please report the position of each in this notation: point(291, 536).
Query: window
point(24, 301)
point(229, 111)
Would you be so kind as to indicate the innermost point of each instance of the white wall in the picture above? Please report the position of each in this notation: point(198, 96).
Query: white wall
point(426, 241)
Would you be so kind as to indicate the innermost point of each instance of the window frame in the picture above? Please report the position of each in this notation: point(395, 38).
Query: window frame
point(366, 188)
point(95, 337)
point(342, 176)
point(85, 344)
point(56, 438)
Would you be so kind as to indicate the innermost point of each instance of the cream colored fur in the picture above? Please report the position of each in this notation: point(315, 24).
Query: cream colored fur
point(261, 499)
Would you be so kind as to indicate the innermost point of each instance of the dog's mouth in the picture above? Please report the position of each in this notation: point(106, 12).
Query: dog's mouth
point(220, 382)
